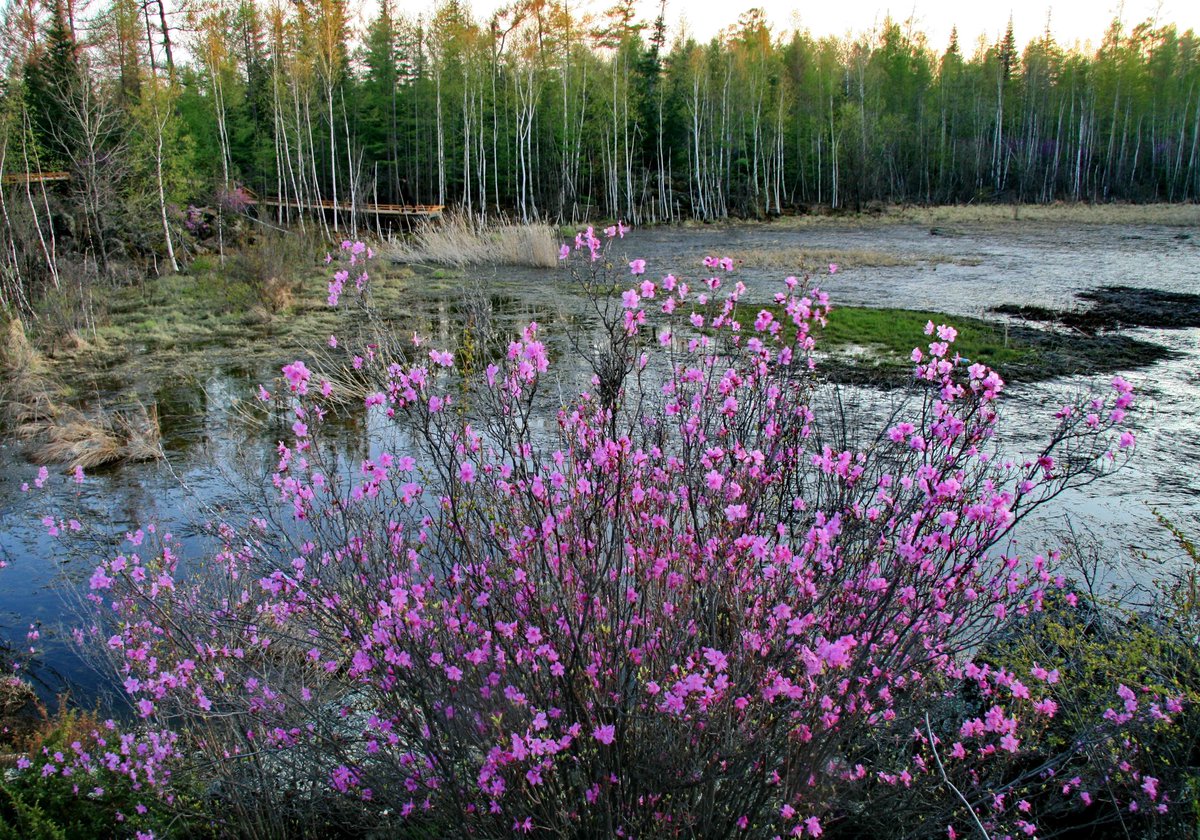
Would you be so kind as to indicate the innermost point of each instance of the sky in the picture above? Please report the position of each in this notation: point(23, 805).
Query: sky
point(1071, 21)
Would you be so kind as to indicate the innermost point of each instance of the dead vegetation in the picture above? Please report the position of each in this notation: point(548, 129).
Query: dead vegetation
point(99, 438)
point(271, 267)
point(459, 241)
point(22, 715)
point(818, 259)
point(34, 408)
point(1004, 214)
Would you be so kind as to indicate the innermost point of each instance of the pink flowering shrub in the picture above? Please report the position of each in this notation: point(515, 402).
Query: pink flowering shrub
point(690, 600)
point(235, 200)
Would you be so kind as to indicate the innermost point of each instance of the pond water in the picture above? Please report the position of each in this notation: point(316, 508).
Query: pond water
point(960, 271)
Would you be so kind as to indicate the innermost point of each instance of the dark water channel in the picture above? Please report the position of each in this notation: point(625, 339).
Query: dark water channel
point(963, 271)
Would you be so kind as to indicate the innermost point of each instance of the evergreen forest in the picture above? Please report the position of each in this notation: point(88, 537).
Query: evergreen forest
point(162, 113)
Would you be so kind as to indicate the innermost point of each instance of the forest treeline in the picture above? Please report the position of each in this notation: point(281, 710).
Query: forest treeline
point(540, 113)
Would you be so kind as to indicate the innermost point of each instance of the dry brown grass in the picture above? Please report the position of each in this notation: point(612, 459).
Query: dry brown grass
point(1091, 214)
point(93, 440)
point(22, 716)
point(21, 359)
point(458, 241)
point(277, 294)
point(997, 214)
point(815, 259)
point(33, 407)
point(27, 391)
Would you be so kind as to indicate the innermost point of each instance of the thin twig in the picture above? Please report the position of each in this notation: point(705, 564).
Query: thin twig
point(950, 784)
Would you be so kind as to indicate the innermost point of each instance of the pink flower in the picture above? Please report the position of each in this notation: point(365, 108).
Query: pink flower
point(297, 376)
point(605, 734)
point(564, 252)
point(99, 579)
point(813, 825)
point(833, 268)
point(736, 512)
point(637, 267)
point(716, 659)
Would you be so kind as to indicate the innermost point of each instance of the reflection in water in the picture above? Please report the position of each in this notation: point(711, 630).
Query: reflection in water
point(212, 449)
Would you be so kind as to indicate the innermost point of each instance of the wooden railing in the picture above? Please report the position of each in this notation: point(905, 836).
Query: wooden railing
point(421, 210)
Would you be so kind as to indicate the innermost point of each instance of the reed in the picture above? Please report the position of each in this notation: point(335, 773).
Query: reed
point(460, 241)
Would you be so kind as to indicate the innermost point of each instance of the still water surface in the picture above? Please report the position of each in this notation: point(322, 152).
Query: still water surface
point(963, 271)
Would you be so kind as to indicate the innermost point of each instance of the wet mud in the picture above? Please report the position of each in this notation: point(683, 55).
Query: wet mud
point(1111, 308)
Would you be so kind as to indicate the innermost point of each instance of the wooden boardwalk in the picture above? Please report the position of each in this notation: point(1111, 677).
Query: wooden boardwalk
point(35, 177)
point(412, 211)
point(408, 211)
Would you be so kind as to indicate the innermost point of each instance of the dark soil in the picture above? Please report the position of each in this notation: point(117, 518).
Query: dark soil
point(1116, 307)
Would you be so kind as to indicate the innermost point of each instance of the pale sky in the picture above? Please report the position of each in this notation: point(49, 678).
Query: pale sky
point(1070, 20)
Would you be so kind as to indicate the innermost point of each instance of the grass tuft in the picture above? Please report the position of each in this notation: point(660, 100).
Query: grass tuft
point(94, 440)
point(34, 408)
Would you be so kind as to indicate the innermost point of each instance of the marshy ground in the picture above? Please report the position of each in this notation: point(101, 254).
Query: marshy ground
point(1037, 292)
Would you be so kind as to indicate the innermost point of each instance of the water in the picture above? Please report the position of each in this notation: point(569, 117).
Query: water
point(964, 271)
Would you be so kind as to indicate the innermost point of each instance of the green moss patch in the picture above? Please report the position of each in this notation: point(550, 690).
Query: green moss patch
point(874, 346)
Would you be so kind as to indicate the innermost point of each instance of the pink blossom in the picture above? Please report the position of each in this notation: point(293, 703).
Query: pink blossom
point(297, 376)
